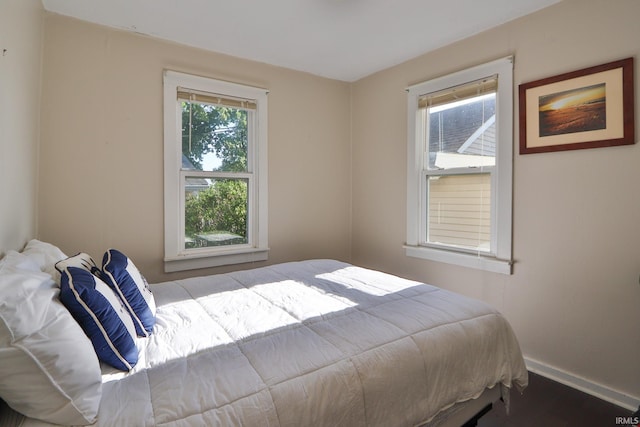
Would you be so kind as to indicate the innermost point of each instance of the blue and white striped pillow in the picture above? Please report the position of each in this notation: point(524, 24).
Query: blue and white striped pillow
point(125, 279)
point(102, 316)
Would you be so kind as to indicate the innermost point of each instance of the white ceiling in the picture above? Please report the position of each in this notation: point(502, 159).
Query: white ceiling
point(339, 39)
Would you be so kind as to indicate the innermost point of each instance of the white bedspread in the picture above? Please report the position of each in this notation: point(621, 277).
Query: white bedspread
point(314, 343)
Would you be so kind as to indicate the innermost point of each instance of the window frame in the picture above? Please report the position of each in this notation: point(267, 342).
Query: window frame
point(176, 256)
point(499, 260)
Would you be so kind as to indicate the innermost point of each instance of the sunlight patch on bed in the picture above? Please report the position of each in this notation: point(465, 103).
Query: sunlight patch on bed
point(370, 282)
point(310, 301)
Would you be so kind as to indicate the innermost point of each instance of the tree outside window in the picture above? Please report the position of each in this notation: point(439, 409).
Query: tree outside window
point(214, 138)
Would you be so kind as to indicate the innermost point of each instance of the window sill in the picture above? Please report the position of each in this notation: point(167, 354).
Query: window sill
point(208, 259)
point(486, 263)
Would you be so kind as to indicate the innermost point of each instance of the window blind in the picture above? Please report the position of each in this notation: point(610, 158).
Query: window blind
point(191, 95)
point(472, 89)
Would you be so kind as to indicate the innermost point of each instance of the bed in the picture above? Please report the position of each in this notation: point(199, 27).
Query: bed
point(310, 343)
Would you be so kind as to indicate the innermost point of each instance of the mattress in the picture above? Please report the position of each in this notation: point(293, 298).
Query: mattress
point(311, 343)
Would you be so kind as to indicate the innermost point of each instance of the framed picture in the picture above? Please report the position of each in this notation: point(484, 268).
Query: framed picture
point(588, 108)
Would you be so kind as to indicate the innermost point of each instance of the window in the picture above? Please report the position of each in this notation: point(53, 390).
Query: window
point(459, 174)
point(215, 172)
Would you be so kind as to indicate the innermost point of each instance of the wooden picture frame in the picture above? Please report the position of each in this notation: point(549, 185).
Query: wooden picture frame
point(588, 108)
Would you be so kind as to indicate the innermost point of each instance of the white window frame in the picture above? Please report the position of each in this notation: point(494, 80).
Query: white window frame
point(499, 260)
point(176, 257)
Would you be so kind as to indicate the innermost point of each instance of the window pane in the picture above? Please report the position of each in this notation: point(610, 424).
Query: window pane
point(463, 133)
point(215, 212)
point(460, 211)
point(214, 138)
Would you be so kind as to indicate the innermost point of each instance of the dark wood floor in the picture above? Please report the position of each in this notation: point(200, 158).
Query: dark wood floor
point(551, 404)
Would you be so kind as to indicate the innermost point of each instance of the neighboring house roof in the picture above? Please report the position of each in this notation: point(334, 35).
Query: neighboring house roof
point(193, 185)
point(467, 130)
point(186, 163)
point(483, 141)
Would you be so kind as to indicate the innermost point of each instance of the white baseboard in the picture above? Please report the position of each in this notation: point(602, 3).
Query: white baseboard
point(598, 390)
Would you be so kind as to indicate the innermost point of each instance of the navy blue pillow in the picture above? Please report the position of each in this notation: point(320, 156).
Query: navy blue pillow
point(125, 279)
point(101, 315)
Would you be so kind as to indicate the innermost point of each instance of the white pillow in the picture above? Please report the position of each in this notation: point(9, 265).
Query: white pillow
point(45, 255)
point(80, 260)
point(48, 369)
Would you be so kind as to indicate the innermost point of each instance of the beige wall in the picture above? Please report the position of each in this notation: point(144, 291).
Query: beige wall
point(20, 71)
point(573, 298)
point(102, 148)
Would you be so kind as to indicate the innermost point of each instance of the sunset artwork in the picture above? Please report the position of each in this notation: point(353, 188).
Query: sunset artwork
point(588, 108)
point(576, 110)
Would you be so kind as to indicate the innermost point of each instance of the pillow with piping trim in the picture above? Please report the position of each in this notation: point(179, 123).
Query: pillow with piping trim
point(101, 315)
point(79, 260)
point(125, 279)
